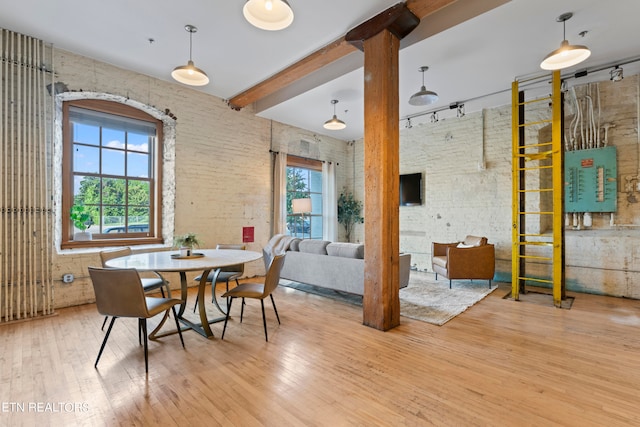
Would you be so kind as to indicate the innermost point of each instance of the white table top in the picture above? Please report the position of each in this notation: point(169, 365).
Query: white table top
point(162, 261)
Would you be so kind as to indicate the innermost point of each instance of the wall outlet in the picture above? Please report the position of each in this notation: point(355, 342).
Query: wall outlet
point(67, 278)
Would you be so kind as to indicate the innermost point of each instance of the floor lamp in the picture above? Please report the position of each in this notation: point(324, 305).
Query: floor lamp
point(300, 206)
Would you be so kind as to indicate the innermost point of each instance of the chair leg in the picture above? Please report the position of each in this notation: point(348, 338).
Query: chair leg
point(104, 342)
point(175, 316)
point(241, 310)
point(226, 319)
point(139, 333)
point(449, 283)
point(489, 283)
point(436, 276)
point(104, 322)
point(143, 325)
point(162, 292)
point(264, 320)
point(274, 308)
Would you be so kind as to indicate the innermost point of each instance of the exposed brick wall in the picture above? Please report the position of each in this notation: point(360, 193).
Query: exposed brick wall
point(223, 165)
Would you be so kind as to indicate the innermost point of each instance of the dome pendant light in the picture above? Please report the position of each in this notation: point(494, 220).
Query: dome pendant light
point(423, 96)
point(271, 15)
point(334, 123)
point(567, 55)
point(190, 74)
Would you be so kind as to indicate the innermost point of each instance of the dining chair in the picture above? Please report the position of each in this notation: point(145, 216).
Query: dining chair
point(231, 272)
point(257, 291)
point(148, 284)
point(119, 293)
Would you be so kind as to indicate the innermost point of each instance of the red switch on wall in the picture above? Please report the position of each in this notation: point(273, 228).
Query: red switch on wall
point(247, 234)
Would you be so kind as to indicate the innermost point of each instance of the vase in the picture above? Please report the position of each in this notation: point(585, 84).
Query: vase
point(82, 236)
point(185, 251)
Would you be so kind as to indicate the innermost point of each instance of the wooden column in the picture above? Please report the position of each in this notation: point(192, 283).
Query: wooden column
point(381, 301)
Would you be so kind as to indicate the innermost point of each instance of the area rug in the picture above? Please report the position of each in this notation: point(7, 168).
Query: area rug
point(424, 299)
point(432, 301)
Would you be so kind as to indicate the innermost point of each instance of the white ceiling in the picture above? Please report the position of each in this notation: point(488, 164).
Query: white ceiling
point(478, 57)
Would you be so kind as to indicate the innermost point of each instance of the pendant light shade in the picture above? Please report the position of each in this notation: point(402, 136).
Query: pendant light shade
point(566, 55)
point(271, 15)
point(190, 74)
point(423, 96)
point(334, 123)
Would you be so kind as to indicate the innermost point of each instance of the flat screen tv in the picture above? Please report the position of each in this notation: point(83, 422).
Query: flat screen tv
point(411, 189)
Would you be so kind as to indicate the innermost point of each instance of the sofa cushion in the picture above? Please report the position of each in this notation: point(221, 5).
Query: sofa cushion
point(313, 246)
point(346, 250)
point(294, 245)
point(471, 241)
point(440, 260)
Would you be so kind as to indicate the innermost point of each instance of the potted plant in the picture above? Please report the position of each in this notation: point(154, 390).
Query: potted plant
point(186, 243)
point(349, 212)
point(82, 221)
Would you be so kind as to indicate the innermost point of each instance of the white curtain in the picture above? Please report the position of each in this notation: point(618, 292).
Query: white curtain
point(279, 193)
point(329, 202)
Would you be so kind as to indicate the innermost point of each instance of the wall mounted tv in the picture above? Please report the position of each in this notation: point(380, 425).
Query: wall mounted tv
point(411, 189)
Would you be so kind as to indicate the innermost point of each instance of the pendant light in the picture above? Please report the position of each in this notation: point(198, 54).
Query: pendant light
point(423, 96)
point(190, 74)
point(566, 55)
point(271, 15)
point(335, 123)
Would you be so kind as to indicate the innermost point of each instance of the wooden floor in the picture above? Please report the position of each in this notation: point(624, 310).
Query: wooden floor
point(501, 363)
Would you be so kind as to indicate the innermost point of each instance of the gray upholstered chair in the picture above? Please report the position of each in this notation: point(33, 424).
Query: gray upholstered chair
point(148, 284)
point(231, 272)
point(119, 293)
point(257, 291)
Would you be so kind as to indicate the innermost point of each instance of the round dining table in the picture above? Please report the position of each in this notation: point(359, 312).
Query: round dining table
point(203, 260)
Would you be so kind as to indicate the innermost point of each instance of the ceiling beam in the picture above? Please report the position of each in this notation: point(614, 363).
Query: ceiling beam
point(321, 58)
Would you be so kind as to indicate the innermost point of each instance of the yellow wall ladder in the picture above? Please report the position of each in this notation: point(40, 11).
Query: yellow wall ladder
point(542, 250)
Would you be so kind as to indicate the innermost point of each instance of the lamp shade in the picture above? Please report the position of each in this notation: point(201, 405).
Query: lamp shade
point(423, 97)
point(190, 75)
point(271, 15)
point(334, 124)
point(301, 205)
point(565, 56)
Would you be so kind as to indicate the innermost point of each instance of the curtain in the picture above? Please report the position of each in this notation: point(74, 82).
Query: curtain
point(26, 285)
point(329, 202)
point(279, 193)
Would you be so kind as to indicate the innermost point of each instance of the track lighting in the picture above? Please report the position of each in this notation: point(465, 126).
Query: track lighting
point(423, 96)
point(566, 55)
point(271, 15)
point(408, 125)
point(334, 123)
point(190, 74)
point(616, 74)
point(434, 117)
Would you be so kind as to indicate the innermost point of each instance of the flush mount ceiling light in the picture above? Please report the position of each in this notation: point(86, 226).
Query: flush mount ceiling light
point(334, 123)
point(190, 74)
point(271, 15)
point(423, 96)
point(566, 55)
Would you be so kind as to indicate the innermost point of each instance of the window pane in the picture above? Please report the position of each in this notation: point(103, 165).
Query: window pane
point(86, 159)
point(315, 181)
point(113, 138)
point(113, 219)
point(138, 165)
point(86, 190)
point(86, 134)
point(138, 220)
point(138, 142)
point(113, 162)
point(139, 193)
point(113, 192)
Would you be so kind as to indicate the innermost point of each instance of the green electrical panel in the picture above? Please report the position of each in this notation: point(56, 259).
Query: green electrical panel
point(590, 180)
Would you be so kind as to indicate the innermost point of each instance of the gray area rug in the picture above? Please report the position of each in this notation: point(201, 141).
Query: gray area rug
point(425, 298)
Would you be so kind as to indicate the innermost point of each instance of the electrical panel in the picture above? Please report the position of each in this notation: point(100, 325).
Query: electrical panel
point(590, 180)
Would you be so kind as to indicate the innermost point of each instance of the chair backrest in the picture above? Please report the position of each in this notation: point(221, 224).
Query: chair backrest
point(239, 268)
point(115, 253)
point(273, 274)
point(119, 292)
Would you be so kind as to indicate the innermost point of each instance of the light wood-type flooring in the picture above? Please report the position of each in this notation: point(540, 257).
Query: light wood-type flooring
point(501, 363)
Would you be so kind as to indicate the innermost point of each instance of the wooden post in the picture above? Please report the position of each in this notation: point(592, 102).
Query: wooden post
point(381, 301)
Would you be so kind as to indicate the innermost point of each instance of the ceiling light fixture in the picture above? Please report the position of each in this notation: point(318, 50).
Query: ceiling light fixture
point(334, 123)
point(566, 55)
point(423, 96)
point(271, 15)
point(616, 74)
point(190, 74)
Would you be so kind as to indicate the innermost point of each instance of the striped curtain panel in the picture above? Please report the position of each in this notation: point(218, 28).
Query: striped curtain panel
point(26, 288)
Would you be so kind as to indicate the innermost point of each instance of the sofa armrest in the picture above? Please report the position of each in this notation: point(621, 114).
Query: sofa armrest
point(440, 249)
point(471, 263)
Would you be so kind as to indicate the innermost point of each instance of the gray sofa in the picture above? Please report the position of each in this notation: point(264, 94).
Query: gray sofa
point(338, 266)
